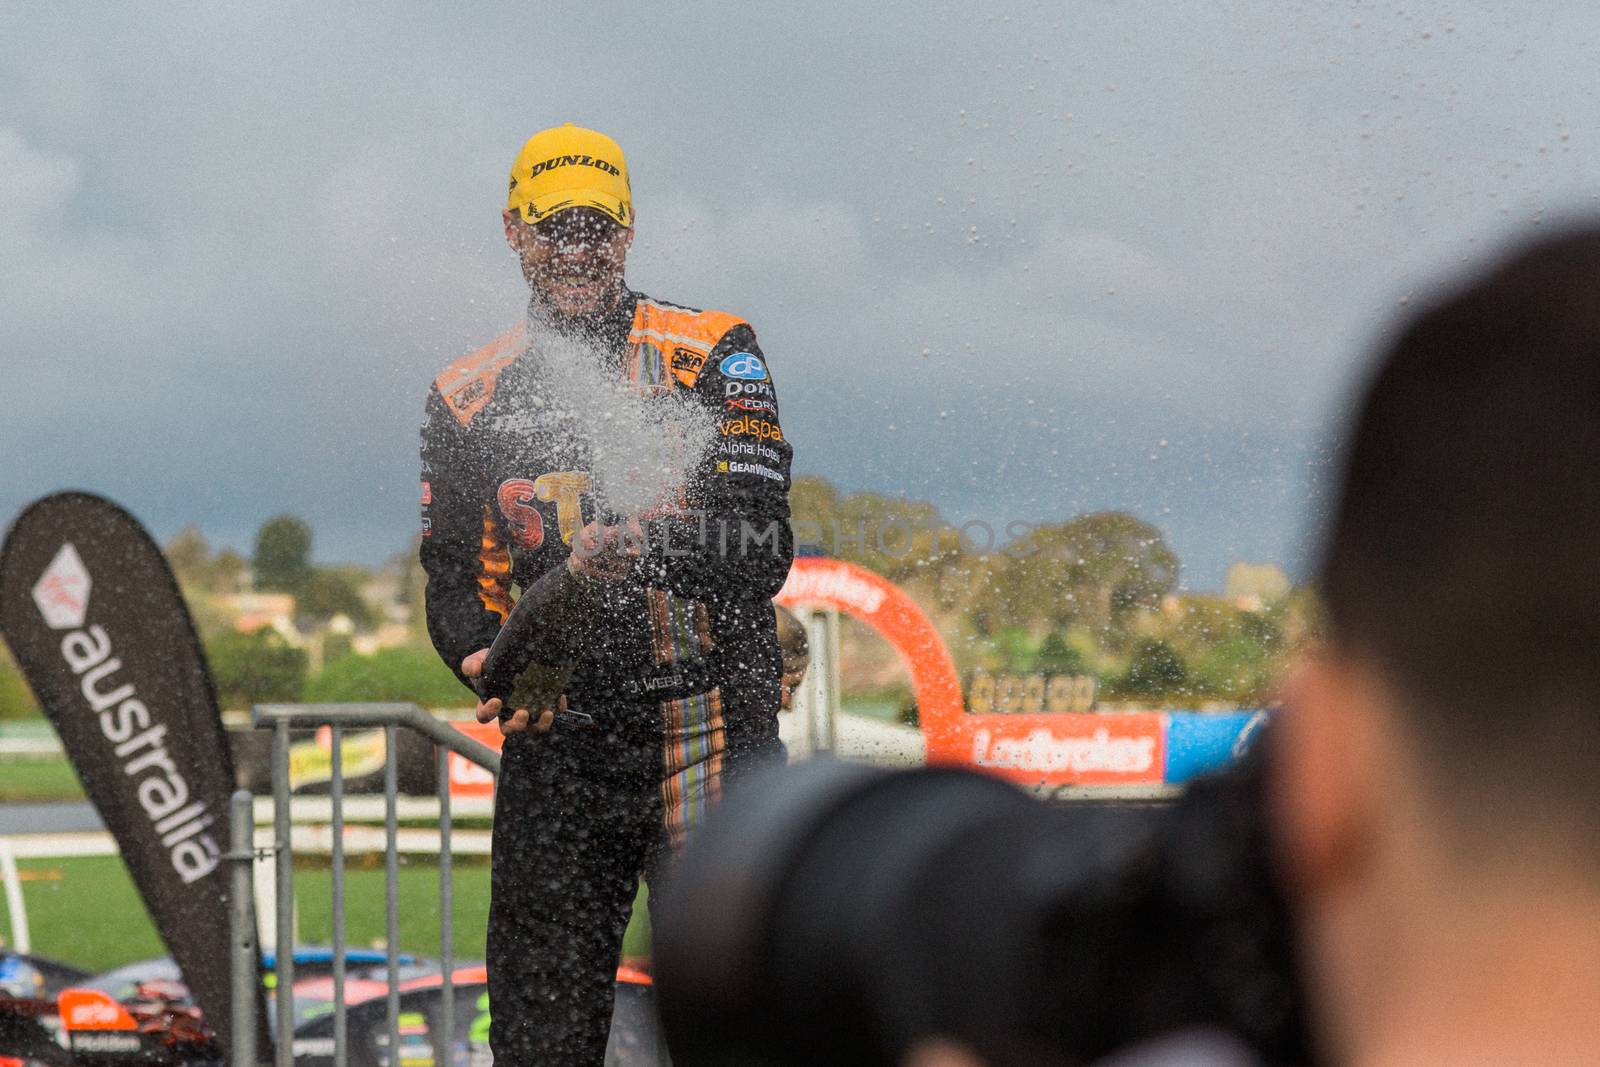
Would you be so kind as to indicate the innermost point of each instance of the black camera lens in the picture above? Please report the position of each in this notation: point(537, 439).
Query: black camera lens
point(841, 914)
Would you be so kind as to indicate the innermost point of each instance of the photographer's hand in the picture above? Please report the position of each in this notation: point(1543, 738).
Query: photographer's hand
point(941, 1053)
point(519, 720)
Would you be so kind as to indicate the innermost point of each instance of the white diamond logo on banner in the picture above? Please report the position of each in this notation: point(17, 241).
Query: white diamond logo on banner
point(62, 591)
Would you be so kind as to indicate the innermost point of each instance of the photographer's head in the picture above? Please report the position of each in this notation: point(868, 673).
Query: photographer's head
point(1439, 806)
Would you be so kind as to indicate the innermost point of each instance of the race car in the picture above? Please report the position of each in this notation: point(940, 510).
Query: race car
point(29, 1023)
point(28, 1027)
point(636, 1039)
point(366, 973)
point(143, 1012)
point(23, 975)
point(157, 1026)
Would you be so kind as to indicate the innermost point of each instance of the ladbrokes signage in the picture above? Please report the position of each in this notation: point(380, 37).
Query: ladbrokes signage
point(1030, 748)
point(94, 618)
point(1123, 749)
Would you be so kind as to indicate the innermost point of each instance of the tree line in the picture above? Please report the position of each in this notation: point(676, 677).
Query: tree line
point(264, 665)
point(1091, 595)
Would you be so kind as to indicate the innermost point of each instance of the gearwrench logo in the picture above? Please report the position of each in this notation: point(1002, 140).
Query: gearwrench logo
point(62, 591)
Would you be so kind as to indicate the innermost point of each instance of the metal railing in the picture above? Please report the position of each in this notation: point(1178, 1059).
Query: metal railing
point(15, 907)
point(281, 718)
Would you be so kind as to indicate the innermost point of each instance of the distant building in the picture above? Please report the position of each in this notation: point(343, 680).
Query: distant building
point(252, 611)
point(1253, 586)
point(382, 592)
point(387, 635)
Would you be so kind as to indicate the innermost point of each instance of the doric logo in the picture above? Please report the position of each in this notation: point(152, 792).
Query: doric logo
point(746, 365)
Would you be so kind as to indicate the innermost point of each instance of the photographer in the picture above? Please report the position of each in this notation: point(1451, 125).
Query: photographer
point(1435, 801)
point(1405, 870)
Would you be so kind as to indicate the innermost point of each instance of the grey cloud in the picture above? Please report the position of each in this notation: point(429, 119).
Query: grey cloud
point(242, 238)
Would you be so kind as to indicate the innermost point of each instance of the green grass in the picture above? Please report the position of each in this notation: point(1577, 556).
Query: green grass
point(34, 781)
point(84, 911)
point(871, 708)
point(43, 781)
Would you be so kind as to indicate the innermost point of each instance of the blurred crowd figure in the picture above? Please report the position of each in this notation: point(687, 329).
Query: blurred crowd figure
point(1435, 790)
point(794, 648)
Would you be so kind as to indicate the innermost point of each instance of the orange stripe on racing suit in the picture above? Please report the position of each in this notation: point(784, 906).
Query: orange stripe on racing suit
point(669, 346)
point(467, 385)
point(494, 583)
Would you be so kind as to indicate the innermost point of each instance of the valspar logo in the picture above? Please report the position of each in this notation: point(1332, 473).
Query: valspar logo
point(745, 426)
point(62, 591)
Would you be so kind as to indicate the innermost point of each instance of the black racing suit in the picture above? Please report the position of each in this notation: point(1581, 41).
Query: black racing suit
point(674, 669)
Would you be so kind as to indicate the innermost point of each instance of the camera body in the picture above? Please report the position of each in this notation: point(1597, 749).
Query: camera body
point(842, 914)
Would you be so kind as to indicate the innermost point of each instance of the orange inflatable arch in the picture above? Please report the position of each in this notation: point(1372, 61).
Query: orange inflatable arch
point(814, 581)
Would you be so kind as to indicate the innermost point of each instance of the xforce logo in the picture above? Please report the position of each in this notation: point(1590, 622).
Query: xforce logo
point(745, 426)
point(751, 404)
point(573, 161)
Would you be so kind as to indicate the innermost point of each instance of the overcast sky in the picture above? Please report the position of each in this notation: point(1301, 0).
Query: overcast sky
point(1025, 263)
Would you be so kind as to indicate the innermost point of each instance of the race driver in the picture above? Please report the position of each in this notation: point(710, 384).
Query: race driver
point(659, 633)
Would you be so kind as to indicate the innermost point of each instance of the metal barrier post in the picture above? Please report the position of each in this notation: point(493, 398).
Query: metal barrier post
point(281, 830)
point(311, 716)
point(821, 679)
point(281, 718)
point(391, 884)
point(336, 800)
point(447, 924)
point(242, 920)
point(14, 904)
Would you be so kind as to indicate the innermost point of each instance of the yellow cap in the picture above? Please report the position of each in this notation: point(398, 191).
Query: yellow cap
point(566, 167)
